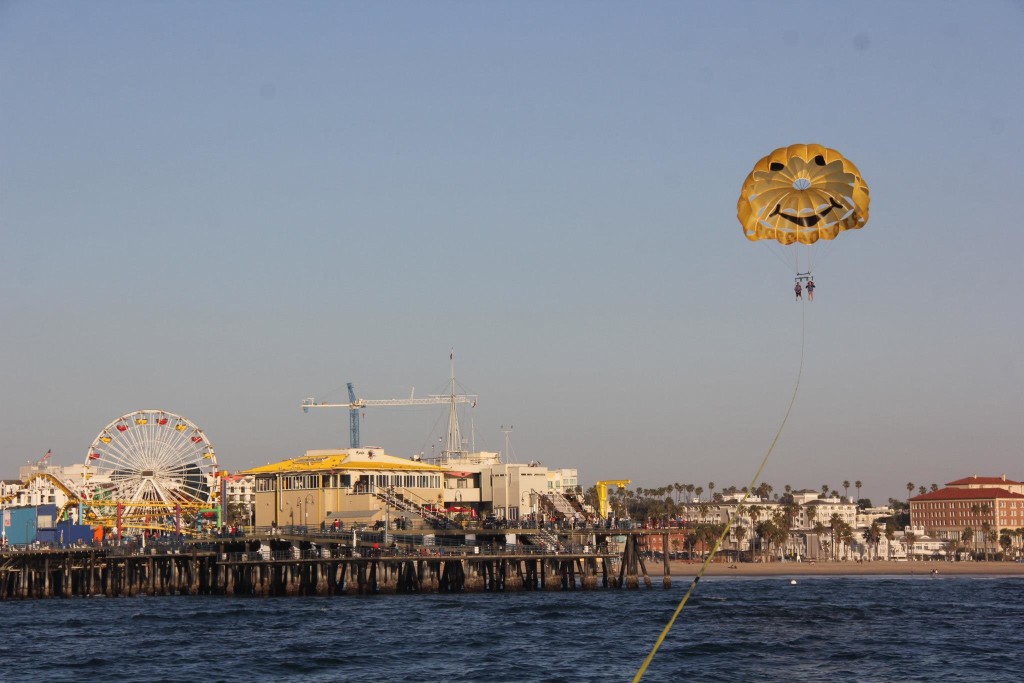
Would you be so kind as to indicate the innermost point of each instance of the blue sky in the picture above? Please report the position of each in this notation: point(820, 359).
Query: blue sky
point(218, 209)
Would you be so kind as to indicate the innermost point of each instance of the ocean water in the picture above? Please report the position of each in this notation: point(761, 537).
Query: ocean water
point(732, 629)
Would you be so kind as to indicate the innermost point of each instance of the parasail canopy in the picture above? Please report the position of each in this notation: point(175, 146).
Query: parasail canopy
point(802, 194)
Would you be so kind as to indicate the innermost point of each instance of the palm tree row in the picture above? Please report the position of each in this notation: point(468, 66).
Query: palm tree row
point(667, 500)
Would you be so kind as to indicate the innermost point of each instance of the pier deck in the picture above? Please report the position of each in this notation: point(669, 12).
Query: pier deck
point(297, 563)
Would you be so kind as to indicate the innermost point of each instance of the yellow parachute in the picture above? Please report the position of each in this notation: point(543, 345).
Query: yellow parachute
point(802, 193)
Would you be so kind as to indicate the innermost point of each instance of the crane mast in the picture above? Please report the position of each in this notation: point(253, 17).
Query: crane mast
point(353, 419)
point(602, 494)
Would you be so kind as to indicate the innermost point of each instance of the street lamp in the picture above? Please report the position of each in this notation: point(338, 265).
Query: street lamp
point(309, 499)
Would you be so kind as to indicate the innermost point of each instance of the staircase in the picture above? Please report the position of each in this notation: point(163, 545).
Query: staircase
point(563, 506)
point(399, 502)
point(548, 538)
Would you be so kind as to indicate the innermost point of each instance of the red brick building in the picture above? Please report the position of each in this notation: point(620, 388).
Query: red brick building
point(972, 502)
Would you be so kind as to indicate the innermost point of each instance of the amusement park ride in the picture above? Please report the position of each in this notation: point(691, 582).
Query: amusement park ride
point(156, 471)
point(150, 470)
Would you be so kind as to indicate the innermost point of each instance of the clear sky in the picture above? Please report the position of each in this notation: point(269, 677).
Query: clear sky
point(218, 209)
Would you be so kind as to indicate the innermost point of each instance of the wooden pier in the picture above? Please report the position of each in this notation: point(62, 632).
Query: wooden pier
point(300, 564)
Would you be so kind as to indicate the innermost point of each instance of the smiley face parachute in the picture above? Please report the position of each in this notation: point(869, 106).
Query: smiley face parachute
point(801, 194)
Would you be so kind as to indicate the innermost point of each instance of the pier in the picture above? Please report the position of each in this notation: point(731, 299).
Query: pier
point(298, 563)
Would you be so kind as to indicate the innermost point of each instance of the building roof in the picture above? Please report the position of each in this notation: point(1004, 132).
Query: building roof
point(983, 481)
point(347, 459)
point(953, 493)
point(830, 501)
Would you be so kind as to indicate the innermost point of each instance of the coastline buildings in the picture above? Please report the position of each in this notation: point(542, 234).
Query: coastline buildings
point(351, 485)
point(43, 484)
point(367, 485)
point(969, 508)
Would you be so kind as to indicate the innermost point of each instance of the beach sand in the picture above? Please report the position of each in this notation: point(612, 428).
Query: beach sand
point(689, 569)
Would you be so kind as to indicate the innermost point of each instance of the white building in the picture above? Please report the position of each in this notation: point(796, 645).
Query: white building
point(510, 491)
point(824, 509)
point(868, 516)
point(43, 484)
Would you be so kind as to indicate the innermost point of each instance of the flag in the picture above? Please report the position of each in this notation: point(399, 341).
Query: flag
point(45, 457)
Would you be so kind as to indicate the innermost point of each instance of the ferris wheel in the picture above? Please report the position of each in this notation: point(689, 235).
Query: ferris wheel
point(151, 468)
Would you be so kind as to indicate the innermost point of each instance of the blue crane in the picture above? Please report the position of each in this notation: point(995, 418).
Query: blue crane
point(354, 405)
point(353, 418)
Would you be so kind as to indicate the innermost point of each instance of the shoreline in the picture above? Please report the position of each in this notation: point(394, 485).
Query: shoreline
point(879, 568)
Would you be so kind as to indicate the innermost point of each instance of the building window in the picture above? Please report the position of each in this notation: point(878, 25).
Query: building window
point(300, 482)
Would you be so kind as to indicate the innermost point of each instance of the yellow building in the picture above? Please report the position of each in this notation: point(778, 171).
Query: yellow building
point(352, 485)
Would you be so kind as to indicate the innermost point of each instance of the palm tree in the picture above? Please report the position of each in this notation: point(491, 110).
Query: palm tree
point(711, 490)
point(846, 488)
point(890, 536)
point(792, 510)
point(967, 535)
point(975, 511)
point(740, 532)
point(833, 526)
point(910, 492)
point(819, 531)
point(779, 538)
point(910, 539)
point(873, 535)
point(1005, 542)
point(985, 527)
point(763, 532)
point(754, 513)
point(952, 549)
point(846, 535)
point(857, 484)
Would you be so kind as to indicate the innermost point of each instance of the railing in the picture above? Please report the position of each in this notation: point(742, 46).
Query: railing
point(563, 505)
point(400, 502)
point(550, 538)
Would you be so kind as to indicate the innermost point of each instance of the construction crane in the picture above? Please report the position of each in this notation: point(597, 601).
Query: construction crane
point(354, 405)
point(602, 493)
point(353, 418)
